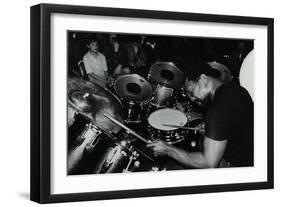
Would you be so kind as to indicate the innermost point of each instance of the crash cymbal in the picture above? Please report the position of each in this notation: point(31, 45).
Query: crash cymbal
point(133, 87)
point(94, 101)
point(85, 101)
point(167, 74)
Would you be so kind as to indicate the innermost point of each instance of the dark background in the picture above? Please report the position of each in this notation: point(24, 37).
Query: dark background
point(177, 49)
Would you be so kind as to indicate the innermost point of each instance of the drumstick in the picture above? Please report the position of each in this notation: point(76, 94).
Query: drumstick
point(126, 128)
point(86, 115)
point(182, 127)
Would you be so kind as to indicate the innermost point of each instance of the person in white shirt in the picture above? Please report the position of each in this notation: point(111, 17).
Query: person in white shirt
point(95, 64)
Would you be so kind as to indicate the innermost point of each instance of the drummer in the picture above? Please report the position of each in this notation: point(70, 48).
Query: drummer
point(228, 137)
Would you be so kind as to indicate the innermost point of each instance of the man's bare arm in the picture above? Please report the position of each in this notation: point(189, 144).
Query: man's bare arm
point(209, 158)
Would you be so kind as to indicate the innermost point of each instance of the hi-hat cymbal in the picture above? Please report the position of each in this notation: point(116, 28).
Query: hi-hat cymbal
point(133, 87)
point(167, 74)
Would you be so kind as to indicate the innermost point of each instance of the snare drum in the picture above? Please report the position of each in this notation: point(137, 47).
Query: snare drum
point(159, 125)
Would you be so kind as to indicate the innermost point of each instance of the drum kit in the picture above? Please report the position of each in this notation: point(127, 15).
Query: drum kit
point(109, 117)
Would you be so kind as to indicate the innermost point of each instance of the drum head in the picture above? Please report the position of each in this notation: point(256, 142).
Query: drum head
point(167, 74)
point(160, 118)
point(133, 87)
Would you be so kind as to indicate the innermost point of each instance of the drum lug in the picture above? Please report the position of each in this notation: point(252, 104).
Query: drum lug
point(124, 153)
point(137, 164)
point(154, 168)
point(135, 154)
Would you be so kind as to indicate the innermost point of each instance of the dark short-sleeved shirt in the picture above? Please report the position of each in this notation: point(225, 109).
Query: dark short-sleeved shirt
point(230, 117)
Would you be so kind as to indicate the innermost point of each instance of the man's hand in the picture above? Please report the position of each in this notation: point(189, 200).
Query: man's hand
point(159, 147)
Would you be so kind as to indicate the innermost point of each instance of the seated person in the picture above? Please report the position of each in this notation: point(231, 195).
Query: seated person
point(95, 64)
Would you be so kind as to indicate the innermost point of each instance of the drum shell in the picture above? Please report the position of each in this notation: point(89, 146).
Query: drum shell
point(162, 96)
point(106, 154)
point(171, 137)
point(137, 112)
point(77, 126)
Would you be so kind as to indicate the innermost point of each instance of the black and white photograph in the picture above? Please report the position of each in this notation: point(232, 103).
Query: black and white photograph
point(131, 103)
point(147, 103)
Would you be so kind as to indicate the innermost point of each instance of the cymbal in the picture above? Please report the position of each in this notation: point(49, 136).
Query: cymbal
point(167, 74)
point(85, 101)
point(225, 74)
point(133, 87)
point(93, 100)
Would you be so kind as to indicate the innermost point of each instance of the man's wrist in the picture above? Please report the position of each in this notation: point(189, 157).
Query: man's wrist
point(169, 150)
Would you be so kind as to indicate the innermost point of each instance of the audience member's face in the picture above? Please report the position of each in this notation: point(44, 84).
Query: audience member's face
point(112, 38)
point(93, 46)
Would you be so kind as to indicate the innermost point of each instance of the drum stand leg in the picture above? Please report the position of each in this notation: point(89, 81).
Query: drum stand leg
point(136, 163)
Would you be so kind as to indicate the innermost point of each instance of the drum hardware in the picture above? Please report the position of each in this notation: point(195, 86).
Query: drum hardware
point(132, 109)
point(126, 128)
point(128, 140)
point(133, 157)
point(79, 129)
point(91, 130)
point(119, 152)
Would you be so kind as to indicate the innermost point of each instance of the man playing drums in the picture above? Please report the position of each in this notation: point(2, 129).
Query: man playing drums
point(228, 120)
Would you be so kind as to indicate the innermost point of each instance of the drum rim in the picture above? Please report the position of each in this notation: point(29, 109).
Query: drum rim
point(168, 63)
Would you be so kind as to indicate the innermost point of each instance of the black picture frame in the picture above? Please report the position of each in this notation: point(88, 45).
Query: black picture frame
point(41, 102)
